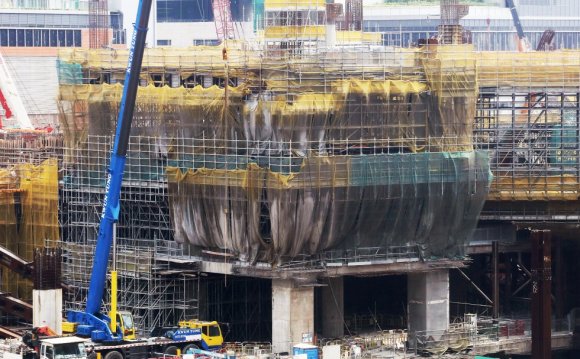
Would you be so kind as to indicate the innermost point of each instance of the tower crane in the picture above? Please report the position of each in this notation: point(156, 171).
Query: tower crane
point(223, 19)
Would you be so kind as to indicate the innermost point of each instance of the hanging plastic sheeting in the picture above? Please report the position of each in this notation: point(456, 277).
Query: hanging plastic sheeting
point(39, 198)
point(69, 73)
point(429, 199)
point(372, 111)
point(34, 190)
point(8, 225)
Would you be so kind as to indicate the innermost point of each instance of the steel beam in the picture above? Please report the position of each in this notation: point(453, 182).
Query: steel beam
point(541, 294)
point(495, 277)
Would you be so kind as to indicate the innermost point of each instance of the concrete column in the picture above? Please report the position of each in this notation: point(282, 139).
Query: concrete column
point(292, 314)
point(175, 80)
point(207, 81)
point(330, 35)
point(47, 309)
point(428, 301)
point(332, 303)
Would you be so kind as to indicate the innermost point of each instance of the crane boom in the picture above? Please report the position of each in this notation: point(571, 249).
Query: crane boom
point(516, 18)
point(523, 43)
point(223, 19)
point(91, 322)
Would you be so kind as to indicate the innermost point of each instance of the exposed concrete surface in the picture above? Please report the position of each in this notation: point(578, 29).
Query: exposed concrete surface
point(216, 267)
point(331, 270)
point(428, 301)
point(292, 314)
point(47, 309)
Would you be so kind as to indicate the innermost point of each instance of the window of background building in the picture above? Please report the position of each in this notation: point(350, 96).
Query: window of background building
point(206, 42)
point(163, 42)
point(242, 10)
point(40, 38)
point(184, 10)
point(119, 34)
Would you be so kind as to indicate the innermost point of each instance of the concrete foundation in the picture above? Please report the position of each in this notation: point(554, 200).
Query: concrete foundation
point(292, 314)
point(47, 309)
point(332, 305)
point(428, 301)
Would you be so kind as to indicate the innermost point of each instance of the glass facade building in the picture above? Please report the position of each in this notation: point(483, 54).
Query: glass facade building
point(50, 23)
point(184, 10)
point(82, 5)
point(200, 10)
point(40, 38)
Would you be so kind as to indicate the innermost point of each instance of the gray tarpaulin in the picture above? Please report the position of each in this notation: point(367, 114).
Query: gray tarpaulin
point(429, 199)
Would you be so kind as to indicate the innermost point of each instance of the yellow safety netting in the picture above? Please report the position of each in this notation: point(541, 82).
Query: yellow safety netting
point(315, 172)
point(453, 81)
point(540, 188)
point(528, 69)
point(513, 69)
point(35, 190)
point(294, 32)
point(8, 228)
point(393, 110)
point(39, 191)
point(92, 109)
point(294, 4)
point(344, 37)
point(197, 95)
point(199, 59)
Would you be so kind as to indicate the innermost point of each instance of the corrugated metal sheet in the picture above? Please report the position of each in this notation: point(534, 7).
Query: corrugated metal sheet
point(562, 8)
point(37, 82)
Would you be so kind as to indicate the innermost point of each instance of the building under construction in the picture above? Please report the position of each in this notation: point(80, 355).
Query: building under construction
point(314, 184)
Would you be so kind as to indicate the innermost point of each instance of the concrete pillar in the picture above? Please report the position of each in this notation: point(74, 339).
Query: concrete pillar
point(207, 81)
point(330, 35)
point(175, 80)
point(47, 309)
point(292, 314)
point(428, 301)
point(46, 290)
point(332, 306)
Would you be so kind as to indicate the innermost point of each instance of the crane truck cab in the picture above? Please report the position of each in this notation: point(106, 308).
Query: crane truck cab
point(211, 333)
point(35, 347)
point(126, 324)
point(62, 348)
point(192, 334)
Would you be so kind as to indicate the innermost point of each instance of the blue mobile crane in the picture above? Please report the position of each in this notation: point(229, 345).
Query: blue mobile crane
point(91, 322)
point(113, 335)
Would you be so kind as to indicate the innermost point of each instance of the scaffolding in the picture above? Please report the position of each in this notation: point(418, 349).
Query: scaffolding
point(284, 157)
point(157, 291)
point(28, 201)
point(533, 141)
point(293, 154)
point(98, 24)
point(511, 88)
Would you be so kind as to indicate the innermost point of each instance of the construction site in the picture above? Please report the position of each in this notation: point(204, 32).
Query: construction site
point(309, 188)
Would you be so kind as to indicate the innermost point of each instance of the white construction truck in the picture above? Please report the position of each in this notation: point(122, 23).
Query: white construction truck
point(32, 346)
